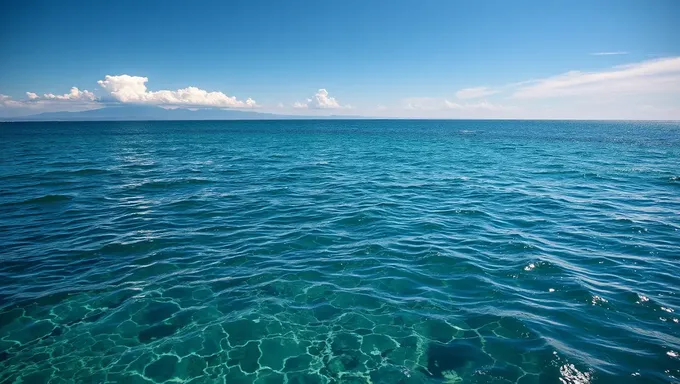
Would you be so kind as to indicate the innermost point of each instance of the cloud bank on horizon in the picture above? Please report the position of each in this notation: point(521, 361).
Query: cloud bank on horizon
point(644, 90)
point(125, 89)
point(132, 89)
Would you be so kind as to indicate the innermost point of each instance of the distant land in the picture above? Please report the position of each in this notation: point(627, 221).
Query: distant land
point(146, 113)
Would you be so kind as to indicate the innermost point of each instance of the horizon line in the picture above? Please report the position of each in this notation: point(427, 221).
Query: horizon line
point(331, 118)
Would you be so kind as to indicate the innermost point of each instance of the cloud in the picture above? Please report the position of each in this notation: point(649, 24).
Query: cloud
point(424, 103)
point(35, 101)
point(644, 90)
point(653, 76)
point(320, 100)
point(8, 102)
point(15, 108)
point(75, 100)
point(132, 89)
point(475, 93)
point(480, 106)
point(122, 89)
point(438, 104)
point(608, 53)
point(74, 95)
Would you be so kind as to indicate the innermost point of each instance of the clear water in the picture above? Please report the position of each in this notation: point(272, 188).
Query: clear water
point(340, 252)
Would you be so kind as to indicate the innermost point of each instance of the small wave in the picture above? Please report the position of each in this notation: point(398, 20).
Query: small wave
point(89, 171)
point(75, 172)
point(161, 184)
point(47, 199)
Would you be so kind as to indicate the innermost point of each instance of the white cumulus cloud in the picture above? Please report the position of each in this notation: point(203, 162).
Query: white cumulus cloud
point(74, 101)
point(475, 93)
point(653, 76)
point(132, 89)
point(74, 95)
point(321, 100)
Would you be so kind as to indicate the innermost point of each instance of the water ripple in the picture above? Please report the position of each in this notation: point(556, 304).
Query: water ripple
point(340, 252)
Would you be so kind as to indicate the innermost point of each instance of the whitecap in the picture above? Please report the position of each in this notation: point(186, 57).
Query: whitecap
point(571, 375)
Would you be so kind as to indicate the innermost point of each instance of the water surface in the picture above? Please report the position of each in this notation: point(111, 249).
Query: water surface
point(340, 252)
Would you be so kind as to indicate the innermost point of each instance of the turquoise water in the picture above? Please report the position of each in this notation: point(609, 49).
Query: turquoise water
point(340, 252)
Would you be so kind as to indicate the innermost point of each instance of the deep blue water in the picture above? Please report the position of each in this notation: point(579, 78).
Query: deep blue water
point(340, 252)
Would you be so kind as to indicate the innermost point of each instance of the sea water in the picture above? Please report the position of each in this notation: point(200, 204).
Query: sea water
point(356, 251)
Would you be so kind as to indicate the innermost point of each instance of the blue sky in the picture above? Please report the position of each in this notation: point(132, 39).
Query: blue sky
point(481, 59)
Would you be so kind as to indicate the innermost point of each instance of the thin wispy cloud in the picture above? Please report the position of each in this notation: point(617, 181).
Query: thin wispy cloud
point(615, 92)
point(614, 53)
point(475, 92)
point(439, 104)
point(642, 78)
point(652, 76)
point(8, 102)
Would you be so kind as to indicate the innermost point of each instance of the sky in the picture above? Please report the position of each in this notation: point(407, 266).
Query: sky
point(524, 59)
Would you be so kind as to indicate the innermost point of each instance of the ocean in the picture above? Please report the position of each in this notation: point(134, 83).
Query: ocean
point(340, 251)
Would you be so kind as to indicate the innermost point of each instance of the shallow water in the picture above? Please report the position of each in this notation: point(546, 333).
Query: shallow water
point(340, 252)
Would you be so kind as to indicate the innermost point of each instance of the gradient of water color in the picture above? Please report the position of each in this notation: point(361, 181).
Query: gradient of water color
point(340, 252)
